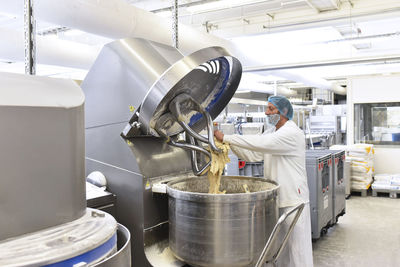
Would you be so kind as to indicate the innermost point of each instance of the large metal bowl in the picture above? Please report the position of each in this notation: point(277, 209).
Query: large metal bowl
point(221, 229)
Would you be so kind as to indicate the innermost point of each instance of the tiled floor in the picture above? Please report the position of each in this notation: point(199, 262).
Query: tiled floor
point(367, 235)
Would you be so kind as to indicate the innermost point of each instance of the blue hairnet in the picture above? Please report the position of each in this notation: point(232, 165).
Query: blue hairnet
point(283, 105)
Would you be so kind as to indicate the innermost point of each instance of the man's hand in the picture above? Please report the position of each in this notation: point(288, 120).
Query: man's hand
point(219, 135)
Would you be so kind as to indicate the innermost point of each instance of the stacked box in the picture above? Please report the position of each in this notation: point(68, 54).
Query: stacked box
point(362, 164)
point(387, 182)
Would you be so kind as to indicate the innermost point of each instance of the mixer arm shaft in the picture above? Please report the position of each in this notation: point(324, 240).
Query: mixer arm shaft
point(175, 108)
point(195, 165)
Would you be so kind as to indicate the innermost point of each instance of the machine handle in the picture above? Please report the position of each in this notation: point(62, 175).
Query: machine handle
point(271, 240)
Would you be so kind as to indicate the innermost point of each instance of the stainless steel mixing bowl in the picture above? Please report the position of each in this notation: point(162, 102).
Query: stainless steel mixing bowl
point(221, 229)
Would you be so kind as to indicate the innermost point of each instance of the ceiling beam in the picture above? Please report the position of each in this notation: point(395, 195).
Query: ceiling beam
point(230, 24)
point(335, 62)
point(312, 6)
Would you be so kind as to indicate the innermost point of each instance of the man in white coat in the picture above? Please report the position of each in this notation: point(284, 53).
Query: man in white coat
point(283, 150)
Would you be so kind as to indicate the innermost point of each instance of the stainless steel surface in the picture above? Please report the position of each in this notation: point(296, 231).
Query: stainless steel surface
point(121, 77)
point(210, 76)
point(319, 179)
point(328, 128)
point(131, 170)
point(63, 243)
point(338, 184)
point(221, 229)
point(42, 154)
point(194, 138)
point(193, 156)
point(268, 255)
point(175, 109)
point(128, 91)
point(347, 175)
point(122, 257)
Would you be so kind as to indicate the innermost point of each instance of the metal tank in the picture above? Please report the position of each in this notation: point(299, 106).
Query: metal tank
point(43, 218)
point(42, 153)
point(221, 229)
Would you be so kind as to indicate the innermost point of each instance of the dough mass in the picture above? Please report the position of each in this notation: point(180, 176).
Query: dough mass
point(218, 161)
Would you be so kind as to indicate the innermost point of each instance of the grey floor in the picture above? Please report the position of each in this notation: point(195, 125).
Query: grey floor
point(367, 235)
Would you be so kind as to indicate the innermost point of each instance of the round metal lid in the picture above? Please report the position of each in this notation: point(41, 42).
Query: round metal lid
point(59, 243)
point(210, 76)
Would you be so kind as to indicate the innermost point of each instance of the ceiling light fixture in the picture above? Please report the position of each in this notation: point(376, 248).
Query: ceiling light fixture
point(292, 2)
point(364, 39)
point(223, 4)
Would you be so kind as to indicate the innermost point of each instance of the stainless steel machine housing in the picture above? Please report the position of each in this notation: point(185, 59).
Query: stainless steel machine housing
point(319, 178)
point(339, 184)
point(42, 152)
point(127, 90)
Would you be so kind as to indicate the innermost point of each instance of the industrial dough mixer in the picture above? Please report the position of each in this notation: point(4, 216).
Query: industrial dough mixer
point(140, 97)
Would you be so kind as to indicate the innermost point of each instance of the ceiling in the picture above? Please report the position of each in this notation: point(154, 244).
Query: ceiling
point(309, 37)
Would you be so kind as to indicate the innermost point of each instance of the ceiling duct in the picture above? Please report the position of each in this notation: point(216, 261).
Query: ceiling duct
point(49, 51)
point(118, 19)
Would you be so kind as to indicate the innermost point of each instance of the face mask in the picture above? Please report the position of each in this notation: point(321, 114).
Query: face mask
point(273, 119)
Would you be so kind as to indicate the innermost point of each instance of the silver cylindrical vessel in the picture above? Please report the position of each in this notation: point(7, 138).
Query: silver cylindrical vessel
point(221, 229)
point(122, 257)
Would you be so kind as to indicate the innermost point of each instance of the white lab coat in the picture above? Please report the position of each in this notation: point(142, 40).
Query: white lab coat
point(283, 152)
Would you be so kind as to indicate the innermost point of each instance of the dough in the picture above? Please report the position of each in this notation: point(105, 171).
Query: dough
point(218, 161)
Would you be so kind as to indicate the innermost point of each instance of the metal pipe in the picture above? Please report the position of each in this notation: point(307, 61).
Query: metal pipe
point(274, 235)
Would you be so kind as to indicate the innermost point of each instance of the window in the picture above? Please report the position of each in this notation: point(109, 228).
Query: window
point(377, 123)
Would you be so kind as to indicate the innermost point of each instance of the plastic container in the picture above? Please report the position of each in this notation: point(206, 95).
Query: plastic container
point(396, 137)
point(255, 169)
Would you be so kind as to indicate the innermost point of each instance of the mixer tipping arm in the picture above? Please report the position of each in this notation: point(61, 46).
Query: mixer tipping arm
point(186, 102)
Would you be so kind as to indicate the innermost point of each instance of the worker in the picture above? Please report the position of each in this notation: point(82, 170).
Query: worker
point(282, 148)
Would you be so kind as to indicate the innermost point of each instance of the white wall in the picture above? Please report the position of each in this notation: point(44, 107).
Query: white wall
point(374, 89)
point(387, 160)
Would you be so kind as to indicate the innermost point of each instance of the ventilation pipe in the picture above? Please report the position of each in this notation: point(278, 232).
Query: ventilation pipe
point(118, 19)
point(49, 51)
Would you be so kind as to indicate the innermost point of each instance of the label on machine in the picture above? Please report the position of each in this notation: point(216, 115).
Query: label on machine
point(326, 202)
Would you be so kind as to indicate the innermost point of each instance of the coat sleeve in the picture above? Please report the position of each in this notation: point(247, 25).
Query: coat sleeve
point(247, 155)
point(282, 142)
